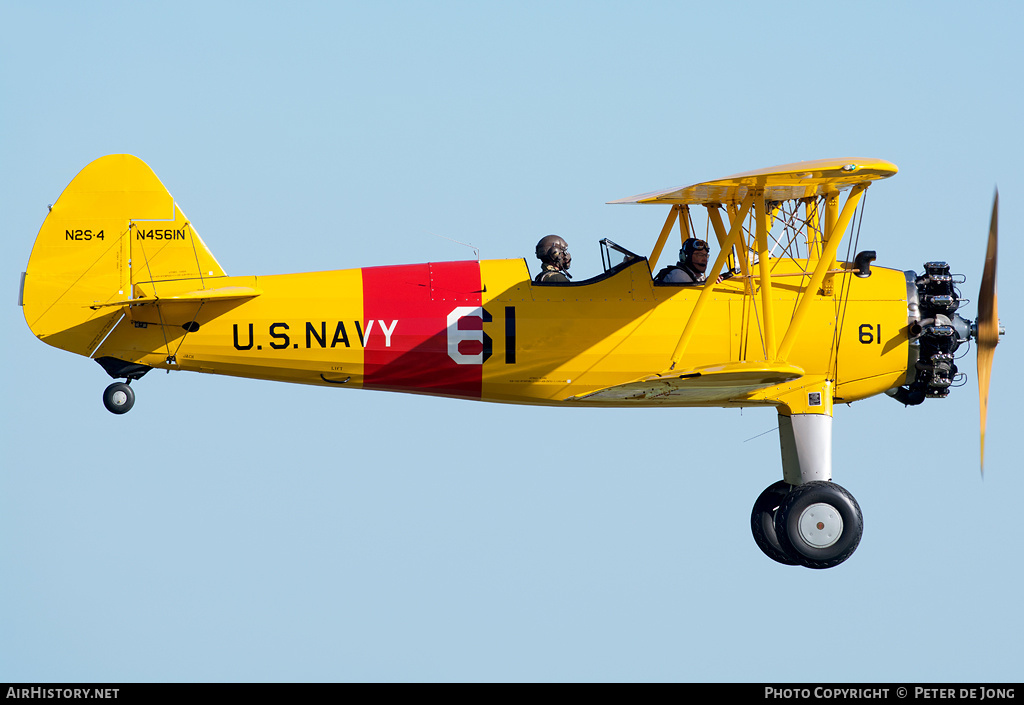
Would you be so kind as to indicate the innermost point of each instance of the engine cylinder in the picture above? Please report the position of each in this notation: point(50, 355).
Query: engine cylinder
point(936, 331)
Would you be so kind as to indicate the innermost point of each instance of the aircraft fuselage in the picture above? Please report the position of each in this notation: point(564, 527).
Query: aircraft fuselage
point(484, 330)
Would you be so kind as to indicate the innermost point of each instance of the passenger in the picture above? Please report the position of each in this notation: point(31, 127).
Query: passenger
point(693, 262)
point(553, 252)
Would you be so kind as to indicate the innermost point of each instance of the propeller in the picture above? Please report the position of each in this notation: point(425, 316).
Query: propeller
point(987, 323)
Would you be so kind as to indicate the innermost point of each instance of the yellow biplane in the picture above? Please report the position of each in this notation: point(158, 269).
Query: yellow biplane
point(119, 274)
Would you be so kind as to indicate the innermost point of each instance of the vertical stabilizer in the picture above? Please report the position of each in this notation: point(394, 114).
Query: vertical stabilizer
point(115, 226)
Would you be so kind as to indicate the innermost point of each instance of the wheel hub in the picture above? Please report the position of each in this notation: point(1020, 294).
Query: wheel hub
point(119, 398)
point(820, 525)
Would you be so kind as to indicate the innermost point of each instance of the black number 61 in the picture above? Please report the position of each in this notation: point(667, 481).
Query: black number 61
point(868, 333)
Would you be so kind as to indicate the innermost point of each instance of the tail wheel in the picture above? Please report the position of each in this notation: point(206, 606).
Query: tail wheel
point(118, 398)
point(762, 522)
point(819, 524)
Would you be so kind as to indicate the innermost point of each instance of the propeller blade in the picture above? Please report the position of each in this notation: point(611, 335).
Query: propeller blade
point(988, 321)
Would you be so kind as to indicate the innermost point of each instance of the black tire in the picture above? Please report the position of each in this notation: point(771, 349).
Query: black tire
point(762, 522)
point(118, 398)
point(819, 524)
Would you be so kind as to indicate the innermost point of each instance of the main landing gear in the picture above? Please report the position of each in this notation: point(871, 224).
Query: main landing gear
point(817, 524)
point(806, 519)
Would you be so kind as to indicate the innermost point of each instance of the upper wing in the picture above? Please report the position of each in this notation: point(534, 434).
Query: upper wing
point(712, 383)
point(780, 183)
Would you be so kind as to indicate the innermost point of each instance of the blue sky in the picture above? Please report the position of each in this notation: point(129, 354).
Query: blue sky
point(231, 530)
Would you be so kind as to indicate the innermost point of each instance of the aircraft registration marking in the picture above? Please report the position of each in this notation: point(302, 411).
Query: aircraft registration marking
point(160, 234)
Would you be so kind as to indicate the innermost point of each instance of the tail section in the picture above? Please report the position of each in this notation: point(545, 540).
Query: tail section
point(114, 232)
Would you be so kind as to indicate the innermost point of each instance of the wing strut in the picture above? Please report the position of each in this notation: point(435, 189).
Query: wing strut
point(833, 237)
point(673, 213)
point(764, 266)
point(822, 268)
point(733, 239)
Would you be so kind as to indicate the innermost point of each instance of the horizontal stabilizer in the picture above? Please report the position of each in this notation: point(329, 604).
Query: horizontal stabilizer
point(711, 383)
point(224, 293)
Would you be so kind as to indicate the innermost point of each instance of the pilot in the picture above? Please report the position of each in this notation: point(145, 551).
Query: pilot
point(553, 252)
point(693, 261)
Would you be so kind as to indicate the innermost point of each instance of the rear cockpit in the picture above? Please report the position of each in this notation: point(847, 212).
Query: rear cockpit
point(614, 259)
